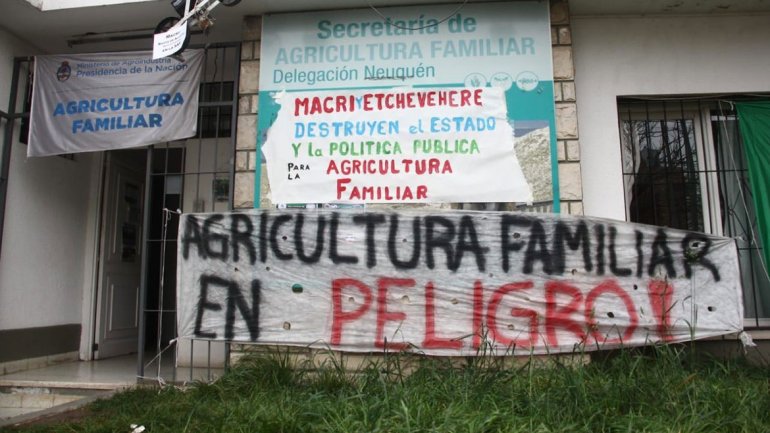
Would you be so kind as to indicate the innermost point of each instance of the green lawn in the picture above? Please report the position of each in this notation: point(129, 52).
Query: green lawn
point(662, 390)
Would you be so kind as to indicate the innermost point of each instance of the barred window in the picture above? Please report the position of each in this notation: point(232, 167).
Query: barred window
point(216, 110)
point(684, 167)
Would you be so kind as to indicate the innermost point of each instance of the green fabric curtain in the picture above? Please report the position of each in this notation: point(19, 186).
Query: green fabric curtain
point(754, 120)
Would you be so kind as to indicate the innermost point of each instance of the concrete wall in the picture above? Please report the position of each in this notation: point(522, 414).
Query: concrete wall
point(45, 240)
point(617, 56)
point(46, 261)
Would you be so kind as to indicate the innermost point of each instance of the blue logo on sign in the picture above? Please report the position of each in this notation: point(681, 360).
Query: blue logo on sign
point(64, 72)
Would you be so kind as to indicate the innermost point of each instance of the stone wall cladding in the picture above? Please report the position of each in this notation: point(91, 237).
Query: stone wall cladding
point(248, 92)
point(568, 144)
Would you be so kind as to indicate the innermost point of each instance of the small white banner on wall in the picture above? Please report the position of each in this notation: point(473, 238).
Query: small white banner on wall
point(167, 43)
point(451, 283)
point(394, 146)
point(90, 102)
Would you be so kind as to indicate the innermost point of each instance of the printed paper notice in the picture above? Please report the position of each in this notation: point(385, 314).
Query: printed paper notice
point(168, 43)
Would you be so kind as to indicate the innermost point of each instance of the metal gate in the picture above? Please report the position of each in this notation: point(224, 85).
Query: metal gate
point(193, 175)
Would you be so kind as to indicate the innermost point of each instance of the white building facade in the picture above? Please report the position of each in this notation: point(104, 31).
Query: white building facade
point(630, 78)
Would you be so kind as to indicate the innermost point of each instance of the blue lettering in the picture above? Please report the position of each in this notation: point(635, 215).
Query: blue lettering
point(323, 26)
point(164, 99)
point(140, 121)
point(299, 130)
point(462, 124)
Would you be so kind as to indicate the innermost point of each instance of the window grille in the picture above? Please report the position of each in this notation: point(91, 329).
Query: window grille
point(684, 167)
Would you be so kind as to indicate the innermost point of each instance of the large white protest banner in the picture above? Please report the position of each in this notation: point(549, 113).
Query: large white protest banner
point(89, 102)
point(397, 145)
point(450, 283)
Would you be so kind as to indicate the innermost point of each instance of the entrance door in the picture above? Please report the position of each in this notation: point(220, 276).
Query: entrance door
point(118, 306)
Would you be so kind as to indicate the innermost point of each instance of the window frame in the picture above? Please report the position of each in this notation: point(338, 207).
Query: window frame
point(706, 164)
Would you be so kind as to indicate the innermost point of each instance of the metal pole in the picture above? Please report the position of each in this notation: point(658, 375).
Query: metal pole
point(143, 274)
point(5, 163)
point(203, 5)
point(234, 123)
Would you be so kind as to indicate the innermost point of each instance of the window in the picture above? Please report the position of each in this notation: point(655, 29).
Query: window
point(684, 167)
point(216, 110)
point(661, 173)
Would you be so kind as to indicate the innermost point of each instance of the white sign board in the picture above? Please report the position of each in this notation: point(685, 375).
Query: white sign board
point(451, 283)
point(89, 102)
point(503, 48)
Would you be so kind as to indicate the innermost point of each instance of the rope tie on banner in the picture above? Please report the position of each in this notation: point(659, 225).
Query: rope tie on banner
point(158, 378)
point(746, 340)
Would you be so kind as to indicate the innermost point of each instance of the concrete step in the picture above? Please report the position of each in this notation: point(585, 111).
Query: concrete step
point(23, 403)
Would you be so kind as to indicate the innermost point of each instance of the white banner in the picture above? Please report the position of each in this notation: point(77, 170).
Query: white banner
point(394, 146)
point(89, 102)
point(451, 283)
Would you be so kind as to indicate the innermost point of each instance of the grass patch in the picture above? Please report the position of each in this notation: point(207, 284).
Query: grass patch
point(663, 390)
